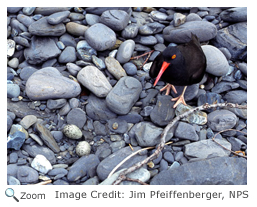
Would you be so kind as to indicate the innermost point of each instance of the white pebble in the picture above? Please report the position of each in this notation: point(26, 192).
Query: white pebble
point(83, 148)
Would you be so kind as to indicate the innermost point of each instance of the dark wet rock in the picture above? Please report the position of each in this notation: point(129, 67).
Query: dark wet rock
point(236, 96)
point(43, 28)
point(163, 111)
point(86, 165)
point(97, 109)
point(41, 49)
point(234, 38)
point(77, 117)
point(106, 166)
point(124, 95)
point(238, 14)
point(48, 83)
point(182, 34)
point(225, 171)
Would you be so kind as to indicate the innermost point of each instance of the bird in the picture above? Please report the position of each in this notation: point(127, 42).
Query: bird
point(180, 65)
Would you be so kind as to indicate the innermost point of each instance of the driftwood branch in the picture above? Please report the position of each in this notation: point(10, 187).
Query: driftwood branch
point(123, 174)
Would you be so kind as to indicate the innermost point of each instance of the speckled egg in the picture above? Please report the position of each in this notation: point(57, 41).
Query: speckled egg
point(83, 148)
point(72, 131)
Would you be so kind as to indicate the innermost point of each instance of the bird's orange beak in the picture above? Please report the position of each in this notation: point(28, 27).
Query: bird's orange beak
point(165, 65)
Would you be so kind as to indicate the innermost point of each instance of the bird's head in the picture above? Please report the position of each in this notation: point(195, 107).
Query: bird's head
point(171, 55)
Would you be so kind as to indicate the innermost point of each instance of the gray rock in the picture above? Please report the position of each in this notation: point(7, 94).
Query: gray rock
point(145, 40)
point(100, 37)
point(34, 150)
point(179, 19)
point(207, 149)
point(224, 86)
point(27, 174)
point(237, 14)
point(57, 17)
point(41, 49)
point(124, 95)
point(115, 19)
point(68, 55)
point(92, 19)
point(221, 119)
point(76, 29)
point(158, 16)
point(202, 29)
point(151, 28)
point(234, 38)
point(93, 79)
point(56, 104)
point(107, 165)
point(47, 137)
point(13, 63)
point(85, 51)
point(163, 111)
point(12, 180)
point(28, 121)
point(97, 109)
point(243, 68)
point(100, 10)
point(217, 63)
point(21, 41)
point(125, 51)
point(130, 68)
point(224, 171)
point(73, 68)
point(68, 40)
point(77, 117)
point(48, 83)
point(57, 171)
point(46, 11)
point(13, 10)
point(147, 134)
point(26, 72)
point(236, 96)
point(43, 28)
point(186, 131)
point(9, 122)
point(114, 67)
point(193, 17)
point(13, 90)
point(85, 165)
point(130, 31)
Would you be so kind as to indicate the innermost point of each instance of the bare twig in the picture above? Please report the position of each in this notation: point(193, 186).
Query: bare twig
point(225, 147)
point(123, 174)
point(42, 183)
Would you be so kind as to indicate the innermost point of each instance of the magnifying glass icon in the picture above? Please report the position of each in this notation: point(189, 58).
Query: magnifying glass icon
point(10, 193)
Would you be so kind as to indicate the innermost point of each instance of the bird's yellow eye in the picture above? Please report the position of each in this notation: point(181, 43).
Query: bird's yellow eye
point(173, 57)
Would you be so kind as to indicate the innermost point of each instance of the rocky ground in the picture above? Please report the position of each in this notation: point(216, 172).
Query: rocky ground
point(77, 103)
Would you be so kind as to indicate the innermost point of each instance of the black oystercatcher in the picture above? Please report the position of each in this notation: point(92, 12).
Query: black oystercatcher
point(182, 65)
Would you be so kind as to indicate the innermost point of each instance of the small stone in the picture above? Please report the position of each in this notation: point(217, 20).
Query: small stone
point(41, 164)
point(47, 137)
point(72, 131)
point(13, 90)
point(58, 17)
point(237, 14)
point(179, 19)
point(100, 37)
point(130, 68)
point(236, 96)
point(28, 121)
point(125, 51)
point(10, 47)
point(27, 174)
point(76, 29)
point(16, 140)
point(56, 104)
point(114, 67)
point(93, 79)
point(124, 95)
point(115, 19)
point(83, 148)
point(77, 117)
point(86, 165)
point(186, 131)
point(220, 120)
point(68, 55)
point(130, 31)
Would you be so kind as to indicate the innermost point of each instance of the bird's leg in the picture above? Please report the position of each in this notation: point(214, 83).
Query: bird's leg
point(167, 88)
point(180, 99)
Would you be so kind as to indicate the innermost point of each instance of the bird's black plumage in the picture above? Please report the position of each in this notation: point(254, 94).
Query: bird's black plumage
point(186, 64)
